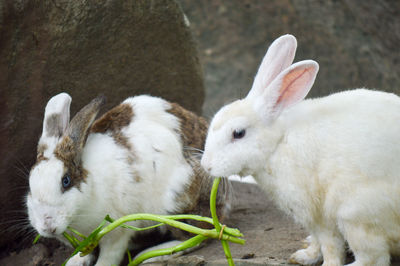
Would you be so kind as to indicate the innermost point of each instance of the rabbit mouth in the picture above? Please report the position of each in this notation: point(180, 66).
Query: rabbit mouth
point(47, 231)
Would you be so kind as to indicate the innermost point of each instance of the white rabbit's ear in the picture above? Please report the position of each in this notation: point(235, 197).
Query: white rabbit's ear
point(56, 115)
point(288, 88)
point(279, 56)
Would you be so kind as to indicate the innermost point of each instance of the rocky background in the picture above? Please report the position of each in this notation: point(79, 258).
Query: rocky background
point(85, 48)
point(122, 48)
point(356, 43)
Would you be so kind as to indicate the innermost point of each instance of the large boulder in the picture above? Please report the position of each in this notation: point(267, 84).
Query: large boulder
point(118, 48)
point(355, 42)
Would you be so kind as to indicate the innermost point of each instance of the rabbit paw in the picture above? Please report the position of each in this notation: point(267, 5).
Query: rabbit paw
point(308, 256)
point(77, 260)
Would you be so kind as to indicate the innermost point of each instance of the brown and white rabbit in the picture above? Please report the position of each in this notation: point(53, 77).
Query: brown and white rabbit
point(332, 163)
point(138, 157)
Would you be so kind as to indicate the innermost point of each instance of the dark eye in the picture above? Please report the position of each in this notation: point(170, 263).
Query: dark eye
point(66, 181)
point(238, 134)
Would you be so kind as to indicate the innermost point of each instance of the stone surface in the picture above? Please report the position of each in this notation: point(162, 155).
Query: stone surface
point(355, 42)
point(117, 48)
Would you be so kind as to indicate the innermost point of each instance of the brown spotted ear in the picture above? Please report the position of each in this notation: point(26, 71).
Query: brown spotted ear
point(56, 115)
point(79, 127)
point(55, 123)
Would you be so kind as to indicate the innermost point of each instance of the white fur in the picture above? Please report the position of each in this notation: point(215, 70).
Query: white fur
point(332, 163)
point(111, 187)
point(57, 105)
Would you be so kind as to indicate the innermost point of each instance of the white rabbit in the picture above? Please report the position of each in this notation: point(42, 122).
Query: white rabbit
point(136, 158)
point(332, 163)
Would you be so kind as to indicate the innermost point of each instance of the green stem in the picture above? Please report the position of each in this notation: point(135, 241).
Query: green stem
point(129, 255)
point(192, 242)
point(228, 230)
point(213, 204)
point(76, 232)
point(74, 242)
point(110, 220)
point(213, 209)
point(163, 219)
point(36, 239)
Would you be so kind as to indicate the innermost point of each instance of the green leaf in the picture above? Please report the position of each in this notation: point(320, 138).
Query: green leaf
point(36, 239)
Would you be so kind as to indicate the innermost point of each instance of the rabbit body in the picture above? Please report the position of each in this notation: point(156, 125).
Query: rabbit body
point(337, 173)
point(133, 161)
point(332, 163)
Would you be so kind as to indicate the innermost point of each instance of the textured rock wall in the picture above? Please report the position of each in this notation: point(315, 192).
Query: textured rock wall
point(355, 42)
point(118, 48)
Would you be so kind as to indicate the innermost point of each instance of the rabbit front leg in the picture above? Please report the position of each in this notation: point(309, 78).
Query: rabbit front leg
point(113, 247)
point(369, 247)
point(332, 247)
point(310, 255)
point(324, 243)
point(77, 260)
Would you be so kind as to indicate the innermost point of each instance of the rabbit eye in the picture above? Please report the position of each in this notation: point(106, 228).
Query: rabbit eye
point(238, 134)
point(66, 181)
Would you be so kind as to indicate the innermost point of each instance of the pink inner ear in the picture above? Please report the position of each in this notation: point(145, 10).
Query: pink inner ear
point(294, 87)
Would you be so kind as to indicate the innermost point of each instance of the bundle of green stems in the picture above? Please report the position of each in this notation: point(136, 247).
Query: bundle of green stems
point(86, 244)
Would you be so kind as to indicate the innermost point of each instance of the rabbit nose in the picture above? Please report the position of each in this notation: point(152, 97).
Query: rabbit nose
point(48, 223)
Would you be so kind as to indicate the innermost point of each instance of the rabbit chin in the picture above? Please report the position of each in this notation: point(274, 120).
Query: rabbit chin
point(223, 170)
point(46, 220)
point(51, 228)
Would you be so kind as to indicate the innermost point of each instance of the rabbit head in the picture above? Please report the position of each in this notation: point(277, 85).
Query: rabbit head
point(57, 179)
point(244, 133)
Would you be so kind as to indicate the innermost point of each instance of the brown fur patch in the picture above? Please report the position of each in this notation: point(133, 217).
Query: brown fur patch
point(195, 199)
point(113, 121)
point(40, 154)
point(193, 128)
point(67, 153)
point(53, 128)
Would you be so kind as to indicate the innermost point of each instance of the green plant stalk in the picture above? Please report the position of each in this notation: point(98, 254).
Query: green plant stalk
point(230, 231)
point(129, 256)
point(162, 219)
point(217, 225)
point(36, 239)
point(71, 239)
point(110, 220)
point(89, 243)
point(192, 242)
point(220, 232)
point(76, 232)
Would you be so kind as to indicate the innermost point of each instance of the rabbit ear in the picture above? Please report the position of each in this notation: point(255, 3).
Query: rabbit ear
point(287, 89)
point(78, 130)
point(56, 115)
point(279, 56)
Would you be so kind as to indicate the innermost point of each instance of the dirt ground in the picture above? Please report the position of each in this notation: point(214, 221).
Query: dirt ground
point(270, 236)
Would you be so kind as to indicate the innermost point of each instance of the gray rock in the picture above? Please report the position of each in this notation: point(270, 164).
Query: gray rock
point(355, 42)
point(118, 48)
point(187, 260)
